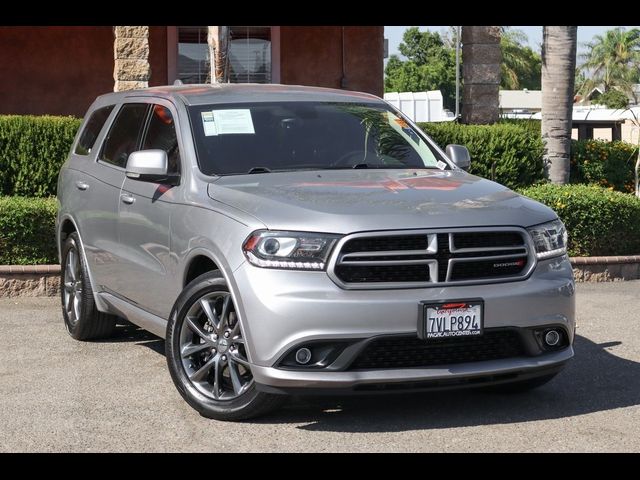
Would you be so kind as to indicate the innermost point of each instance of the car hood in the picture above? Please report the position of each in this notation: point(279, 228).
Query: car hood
point(344, 201)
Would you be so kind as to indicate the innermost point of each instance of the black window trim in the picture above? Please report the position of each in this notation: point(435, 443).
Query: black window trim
point(147, 123)
point(99, 158)
point(105, 127)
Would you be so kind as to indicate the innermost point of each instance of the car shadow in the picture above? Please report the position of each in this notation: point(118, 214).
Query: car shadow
point(596, 379)
point(128, 332)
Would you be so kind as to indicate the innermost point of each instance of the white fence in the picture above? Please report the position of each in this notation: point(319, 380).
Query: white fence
point(420, 106)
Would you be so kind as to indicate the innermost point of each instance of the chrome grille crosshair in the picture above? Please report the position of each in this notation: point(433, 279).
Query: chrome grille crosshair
point(426, 258)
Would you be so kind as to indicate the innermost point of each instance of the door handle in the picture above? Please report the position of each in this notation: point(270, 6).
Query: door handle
point(81, 185)
point(128, 199)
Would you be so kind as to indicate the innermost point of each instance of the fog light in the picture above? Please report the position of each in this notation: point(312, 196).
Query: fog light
point(552, 338)
point(303, 356)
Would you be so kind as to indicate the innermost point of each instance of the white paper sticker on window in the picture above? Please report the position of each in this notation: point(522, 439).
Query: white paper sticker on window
point(441, 165)
point(233, 121)
point(209, 124)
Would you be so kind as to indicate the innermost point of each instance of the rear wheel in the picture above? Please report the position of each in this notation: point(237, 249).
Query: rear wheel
point(207, 355)
point(81, 317)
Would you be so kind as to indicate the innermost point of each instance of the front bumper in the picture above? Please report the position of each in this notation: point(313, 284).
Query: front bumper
point(280, 309)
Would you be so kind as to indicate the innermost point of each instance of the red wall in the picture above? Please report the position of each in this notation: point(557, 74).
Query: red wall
point(313, 56)
point(158, 56)
point(54, 70)
point(61, 70)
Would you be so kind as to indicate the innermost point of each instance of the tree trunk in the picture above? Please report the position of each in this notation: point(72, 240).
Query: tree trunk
point(131, 68)
point(481, 59)
point(217, 40)
point(558, 77)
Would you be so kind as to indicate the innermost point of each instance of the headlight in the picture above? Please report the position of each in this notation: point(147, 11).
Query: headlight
point(289, 250)
point(550, 239)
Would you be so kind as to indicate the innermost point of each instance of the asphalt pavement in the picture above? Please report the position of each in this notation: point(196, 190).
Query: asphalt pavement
point(60, 395)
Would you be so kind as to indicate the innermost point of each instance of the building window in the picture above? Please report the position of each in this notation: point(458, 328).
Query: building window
point(249, 54)
point(193, 55)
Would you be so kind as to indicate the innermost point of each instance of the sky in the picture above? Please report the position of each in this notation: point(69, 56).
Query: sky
point(585, 34)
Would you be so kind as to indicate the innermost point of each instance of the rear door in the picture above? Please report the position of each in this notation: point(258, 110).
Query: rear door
point(148, 268)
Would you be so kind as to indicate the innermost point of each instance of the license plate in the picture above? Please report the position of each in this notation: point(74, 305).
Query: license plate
point(459, 318)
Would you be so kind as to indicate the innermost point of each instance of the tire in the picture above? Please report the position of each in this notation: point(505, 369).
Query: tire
point(521, 386)
point(81, 317)
point(225, 400)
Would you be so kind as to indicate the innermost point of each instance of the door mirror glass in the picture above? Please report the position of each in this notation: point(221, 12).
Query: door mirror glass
point(459, 155)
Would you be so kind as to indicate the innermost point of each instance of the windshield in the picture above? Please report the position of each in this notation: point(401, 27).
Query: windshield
point(285, 136)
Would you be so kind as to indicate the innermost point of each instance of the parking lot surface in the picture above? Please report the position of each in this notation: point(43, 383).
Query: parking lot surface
point(57, 394)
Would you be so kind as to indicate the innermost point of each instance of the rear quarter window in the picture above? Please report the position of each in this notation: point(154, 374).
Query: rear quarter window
point(92, 129)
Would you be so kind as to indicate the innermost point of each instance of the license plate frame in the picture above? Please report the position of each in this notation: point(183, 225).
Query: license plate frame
point(428, 334)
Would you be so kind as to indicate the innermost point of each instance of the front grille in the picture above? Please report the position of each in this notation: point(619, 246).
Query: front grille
point(386, 243)
point(487, 269)
point(486, 239)
point(421, 259)
point(383, 273)
point(412, 352)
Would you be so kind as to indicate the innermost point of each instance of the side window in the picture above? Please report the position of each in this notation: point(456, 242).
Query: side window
point(161, 134)
point(123, 137)
point(92, 130)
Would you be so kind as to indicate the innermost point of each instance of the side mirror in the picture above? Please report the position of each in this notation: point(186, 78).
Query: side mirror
point(459, 155)
point(150, 166)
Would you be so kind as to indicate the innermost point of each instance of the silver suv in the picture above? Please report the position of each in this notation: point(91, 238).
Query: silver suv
point(304, 240)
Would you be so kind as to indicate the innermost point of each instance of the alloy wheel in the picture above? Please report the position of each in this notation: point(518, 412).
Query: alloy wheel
point(212, 349)
point(72, 287)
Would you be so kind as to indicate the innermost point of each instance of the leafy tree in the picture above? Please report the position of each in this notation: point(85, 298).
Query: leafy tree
point(521, 66)
point(429, 65)
point(613, 61)
point(613, 98)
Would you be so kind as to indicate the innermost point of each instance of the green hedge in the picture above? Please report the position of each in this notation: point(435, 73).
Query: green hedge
point(599, 220)
point(609, 164)
point(32, 149)
point(27, 231)
point(515, 150)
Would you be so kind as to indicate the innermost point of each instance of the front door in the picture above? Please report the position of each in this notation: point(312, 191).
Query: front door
point(144, 223)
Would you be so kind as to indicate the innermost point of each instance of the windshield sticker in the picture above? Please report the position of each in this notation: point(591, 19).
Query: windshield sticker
point(209, 124)
point(441, 165)
point(233, 121)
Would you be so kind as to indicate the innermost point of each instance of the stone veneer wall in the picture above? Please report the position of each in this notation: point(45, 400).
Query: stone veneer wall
point(29, 280)
point(482, 57)
point(131, 58)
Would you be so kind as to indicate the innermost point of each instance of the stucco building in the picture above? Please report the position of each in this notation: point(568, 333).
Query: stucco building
point(60, 70)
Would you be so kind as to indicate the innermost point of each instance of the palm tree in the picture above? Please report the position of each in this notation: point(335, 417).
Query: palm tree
point(558, 76)
point(481, 74)
point(218, 41)
point(613, 59)
point(520, 64)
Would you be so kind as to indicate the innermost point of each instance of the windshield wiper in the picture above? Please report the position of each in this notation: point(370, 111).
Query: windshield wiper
point(361, 165)
point(259, 170)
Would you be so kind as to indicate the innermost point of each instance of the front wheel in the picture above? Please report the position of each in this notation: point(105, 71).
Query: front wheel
point(207, 356)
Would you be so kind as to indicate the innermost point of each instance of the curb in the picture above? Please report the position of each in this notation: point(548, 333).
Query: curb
point(44, 280)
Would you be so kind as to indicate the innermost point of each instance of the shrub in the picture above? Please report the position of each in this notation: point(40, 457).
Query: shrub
point(27, 231)
point(600, 221)
point(609, 164)
point(515, 151)
point(528, 124)
point(32, 149)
